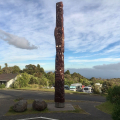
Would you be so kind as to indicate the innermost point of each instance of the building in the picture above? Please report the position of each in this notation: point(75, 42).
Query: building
point(8, 79)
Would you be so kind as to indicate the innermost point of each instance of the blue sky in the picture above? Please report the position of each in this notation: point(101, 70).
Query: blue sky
point(91, 29)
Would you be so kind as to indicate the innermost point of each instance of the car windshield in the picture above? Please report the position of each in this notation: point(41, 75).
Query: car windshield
point(85, 88)
point(72, 87)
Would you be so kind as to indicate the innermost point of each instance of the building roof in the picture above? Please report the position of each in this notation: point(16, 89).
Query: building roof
point(7, 77)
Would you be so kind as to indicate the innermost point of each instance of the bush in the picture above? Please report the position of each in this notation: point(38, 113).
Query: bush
point(40, 86)
point(23, 80)
point(2, 86)
point(114, 94)
point(106, 85)
point(116, 112)
point(96, 90)
point(33, 80)
point(114, 97)
point(15, 84)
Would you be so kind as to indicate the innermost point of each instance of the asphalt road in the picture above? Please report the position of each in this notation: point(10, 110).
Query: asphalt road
point(47, 95)
point(7, 96)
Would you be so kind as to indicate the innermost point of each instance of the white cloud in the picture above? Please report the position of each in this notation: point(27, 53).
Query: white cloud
point(19, 42)
point(97, 60)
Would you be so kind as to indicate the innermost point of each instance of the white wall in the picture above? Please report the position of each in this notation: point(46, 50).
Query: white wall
point(10, 82)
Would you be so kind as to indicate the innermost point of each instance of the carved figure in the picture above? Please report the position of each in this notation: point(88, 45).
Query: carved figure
point(59, 61)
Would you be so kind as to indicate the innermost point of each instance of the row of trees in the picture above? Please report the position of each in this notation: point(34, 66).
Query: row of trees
point(39, 76)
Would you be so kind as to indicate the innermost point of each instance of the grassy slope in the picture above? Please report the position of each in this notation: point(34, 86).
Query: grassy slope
point(106, 107)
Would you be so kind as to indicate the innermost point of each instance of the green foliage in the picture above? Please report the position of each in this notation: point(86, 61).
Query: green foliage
point(16, 69)
point(114, 97)
point(68, 82)
point(67, 72)
point(1, 72)
point(2, 86)
point(23, 80)
point(6, 65)
point(96, 89)
point(38, 66)
point(85, 82)
point(43, 81)
point(15, 84)
point(106, 85)
point(51, 78)
point(33, 80)
point(42, 70)
point(76, 75)
point(114, 94)
point(116, 112)
point(30, 67)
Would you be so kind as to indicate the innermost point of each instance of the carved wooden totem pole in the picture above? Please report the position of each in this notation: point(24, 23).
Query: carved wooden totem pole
point(59, 61)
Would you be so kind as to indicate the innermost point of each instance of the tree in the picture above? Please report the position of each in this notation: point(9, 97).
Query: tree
point(76, 75)
point(0, 70)
point(23, 80)
point(67, 72)
point(16, 69)
point(33, 80)
point(51, 78)
point(30, 67)
point(43, 81)
point(6, 65)
point(7, 70)
point(50, 73)
point(38, 66)
point(39, 75)
point(42, 70)
point(93, 78)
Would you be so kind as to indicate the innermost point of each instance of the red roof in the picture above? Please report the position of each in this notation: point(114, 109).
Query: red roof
point(8, 76)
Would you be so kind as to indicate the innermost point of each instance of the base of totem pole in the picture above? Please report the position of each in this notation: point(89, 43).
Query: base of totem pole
point(59, 105)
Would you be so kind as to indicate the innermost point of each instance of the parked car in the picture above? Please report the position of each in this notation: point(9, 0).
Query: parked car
point(87, 89)
point(76, 87)
point(66, 87)
point(53, 86)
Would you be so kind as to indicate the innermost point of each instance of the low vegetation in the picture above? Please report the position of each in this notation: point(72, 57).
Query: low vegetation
point(106, 107)
point(32, 111)
point(112, 105)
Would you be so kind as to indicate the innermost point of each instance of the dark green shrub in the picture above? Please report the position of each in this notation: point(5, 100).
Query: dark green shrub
point(114, 94)
point(2, 86)
point(33, 80)
point(106, 85)
point(116, 112)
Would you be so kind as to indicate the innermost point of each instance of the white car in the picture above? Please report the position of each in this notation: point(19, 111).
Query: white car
point(87, 89)
point(52, 87)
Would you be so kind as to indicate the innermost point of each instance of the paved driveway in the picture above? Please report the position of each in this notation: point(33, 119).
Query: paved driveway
point(7, 97)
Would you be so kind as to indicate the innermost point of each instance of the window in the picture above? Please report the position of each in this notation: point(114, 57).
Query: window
point(59, 45)
point(85, 88)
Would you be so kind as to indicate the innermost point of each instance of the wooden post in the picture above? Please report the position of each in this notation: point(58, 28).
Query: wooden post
point(59, 61)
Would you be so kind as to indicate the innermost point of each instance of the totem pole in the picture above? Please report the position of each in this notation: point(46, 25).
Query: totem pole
point(59, 61)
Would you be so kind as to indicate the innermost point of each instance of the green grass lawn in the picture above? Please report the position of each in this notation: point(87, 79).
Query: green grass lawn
point(106, 107)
